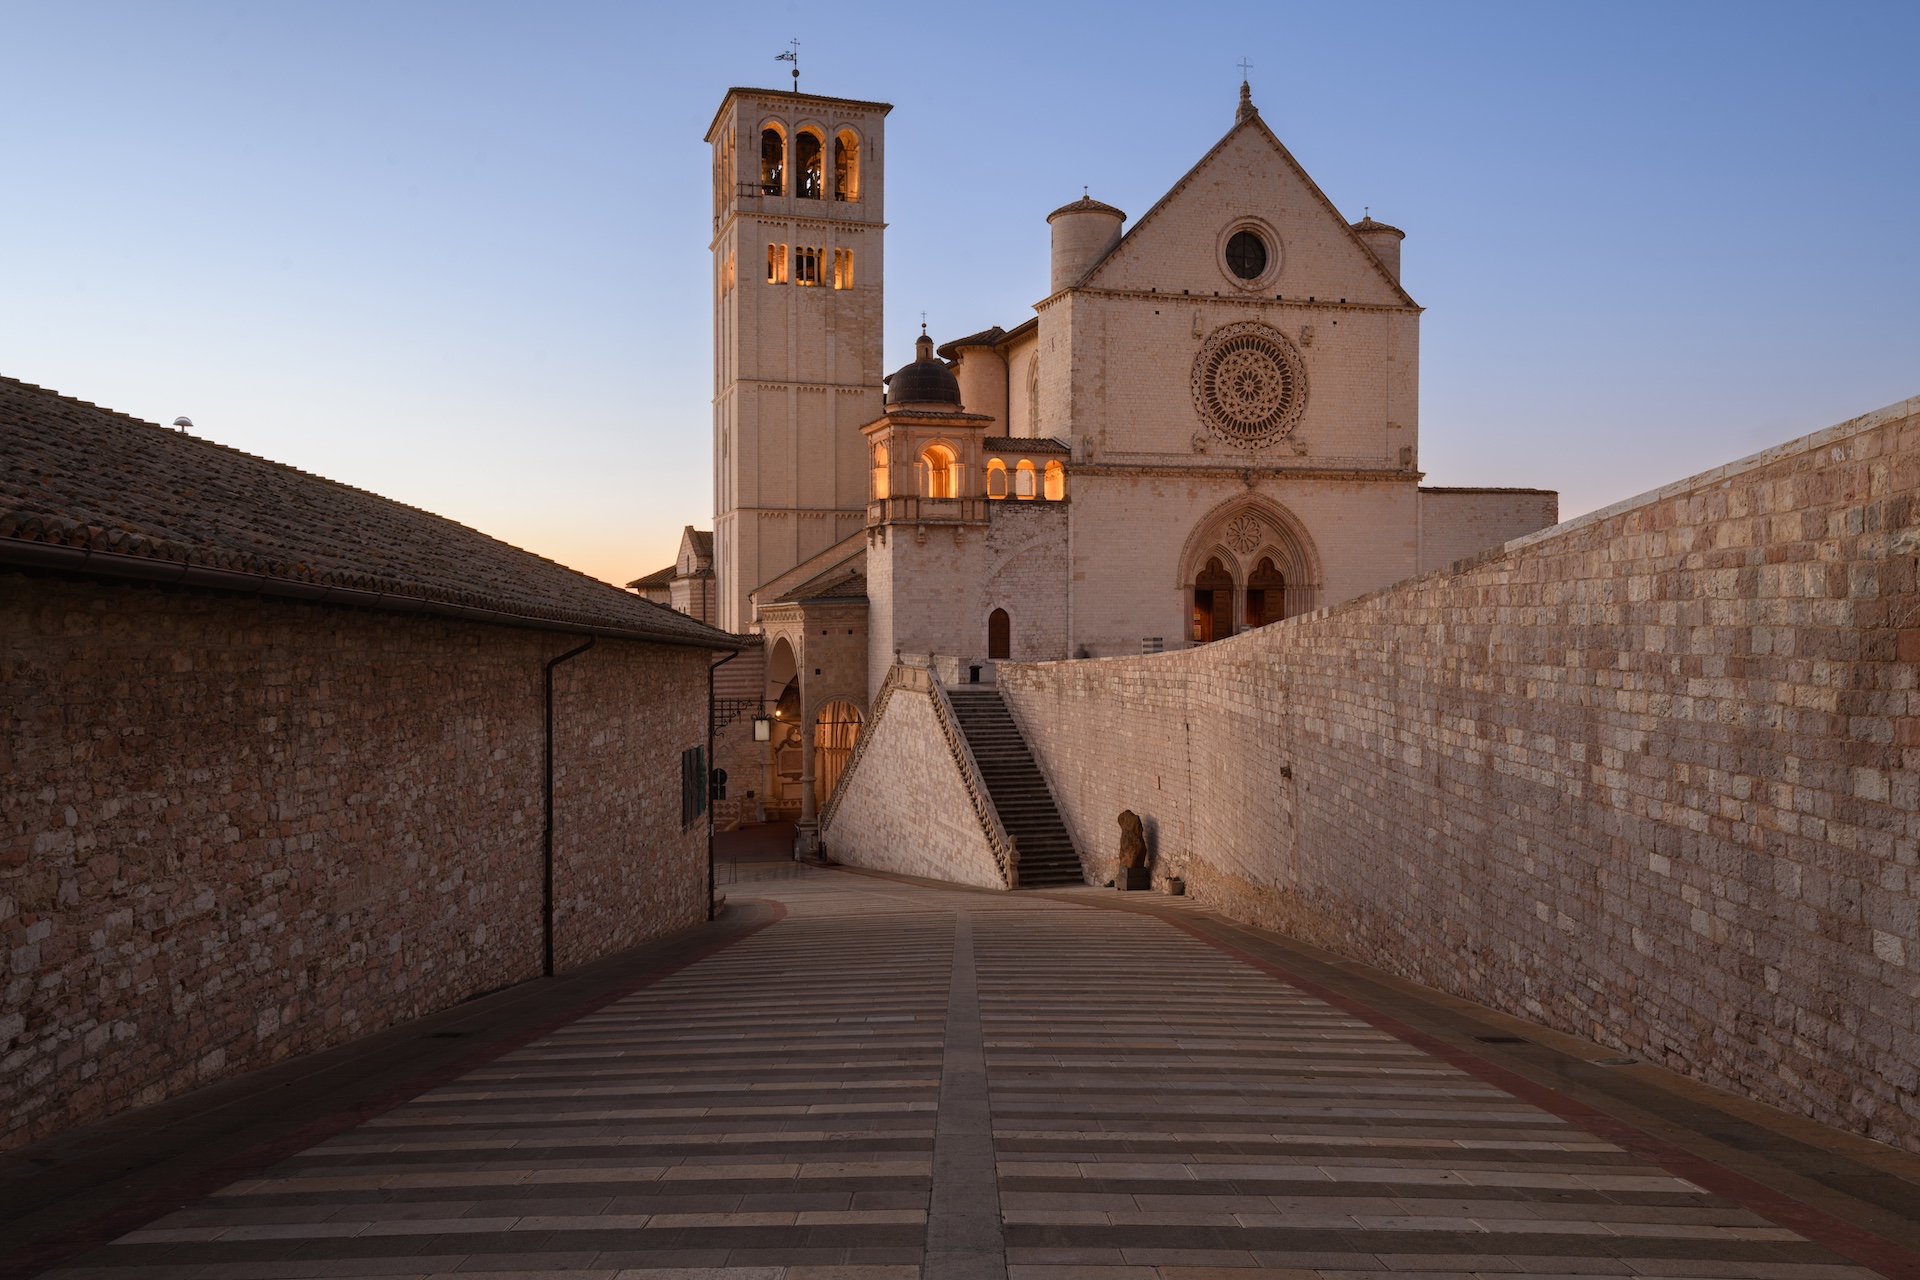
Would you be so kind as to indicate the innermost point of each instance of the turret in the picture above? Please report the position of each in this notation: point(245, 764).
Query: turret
point(1384, 241)
point(1083, 232)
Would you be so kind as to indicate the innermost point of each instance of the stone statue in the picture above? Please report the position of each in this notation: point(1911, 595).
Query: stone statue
point(1133, 840)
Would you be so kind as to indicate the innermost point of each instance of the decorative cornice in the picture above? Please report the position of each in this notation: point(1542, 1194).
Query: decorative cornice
point(1248, 473)
point(1238, 300)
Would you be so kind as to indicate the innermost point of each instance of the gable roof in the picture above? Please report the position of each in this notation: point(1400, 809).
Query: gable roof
point(87, 490)
point(658, 578)
point(819, 564)
point(1249, 120)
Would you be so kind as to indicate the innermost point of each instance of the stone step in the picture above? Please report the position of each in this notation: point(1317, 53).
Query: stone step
point(1016, 788)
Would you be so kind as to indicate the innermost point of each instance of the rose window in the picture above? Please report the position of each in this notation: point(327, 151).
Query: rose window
point(1249, 384)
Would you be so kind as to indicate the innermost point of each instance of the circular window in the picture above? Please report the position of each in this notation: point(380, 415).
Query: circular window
point(1247, 255)
point(1249, 384)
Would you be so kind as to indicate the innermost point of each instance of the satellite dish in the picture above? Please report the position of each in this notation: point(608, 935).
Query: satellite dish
point(183, 422)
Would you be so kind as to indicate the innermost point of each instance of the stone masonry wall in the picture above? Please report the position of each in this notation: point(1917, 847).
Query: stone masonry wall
point(1649, 777)
point(236, 831)
point(902, 806)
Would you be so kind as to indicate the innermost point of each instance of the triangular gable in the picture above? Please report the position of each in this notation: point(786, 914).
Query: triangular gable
point(1248, 172)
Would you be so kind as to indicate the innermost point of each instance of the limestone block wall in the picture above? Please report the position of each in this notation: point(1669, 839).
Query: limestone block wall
point(903, 804)
point(235, 831)
point(1458, 523)
point(1649, 777)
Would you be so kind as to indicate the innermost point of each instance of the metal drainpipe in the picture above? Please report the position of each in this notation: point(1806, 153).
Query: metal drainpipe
point(546, 912)
point(711, 668)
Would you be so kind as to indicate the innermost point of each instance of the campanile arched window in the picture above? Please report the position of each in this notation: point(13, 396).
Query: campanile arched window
point(773, 161)
point(846, 166)
point(880, 457)
point(809, 165)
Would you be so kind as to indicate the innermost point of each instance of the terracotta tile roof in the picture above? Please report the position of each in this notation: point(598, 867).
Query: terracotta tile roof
point(89, 490)
point(1025, 444)
point(658, 578)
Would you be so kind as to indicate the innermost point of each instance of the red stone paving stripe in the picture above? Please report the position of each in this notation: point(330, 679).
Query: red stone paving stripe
point(44, 1255)
point(1844, 1238)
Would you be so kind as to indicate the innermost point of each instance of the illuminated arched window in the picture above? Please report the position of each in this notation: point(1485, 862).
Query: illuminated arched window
point(942, 472)
point(809, 165)
point(1023, 486)
point(880, 487)
point(846, 166)
point(996, 478)
point(773, 161)
point(1056, 481)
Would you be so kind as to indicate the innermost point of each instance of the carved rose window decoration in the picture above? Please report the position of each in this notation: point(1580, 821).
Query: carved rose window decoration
point(1243, 534)
point(1249, 384)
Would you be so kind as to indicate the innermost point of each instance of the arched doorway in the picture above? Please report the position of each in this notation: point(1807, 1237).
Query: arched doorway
point(835, 730)
point(1266, 594)
point(781, 788)
point(999, 635)
point(1212, 603)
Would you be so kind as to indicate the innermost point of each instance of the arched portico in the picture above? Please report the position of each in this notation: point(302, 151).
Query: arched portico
point(1248, 562)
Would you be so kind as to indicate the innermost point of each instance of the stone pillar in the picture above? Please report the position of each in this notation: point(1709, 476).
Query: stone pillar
point(806, 839)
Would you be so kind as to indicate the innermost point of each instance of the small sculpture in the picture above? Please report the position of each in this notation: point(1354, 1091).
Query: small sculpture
point(1133, 840)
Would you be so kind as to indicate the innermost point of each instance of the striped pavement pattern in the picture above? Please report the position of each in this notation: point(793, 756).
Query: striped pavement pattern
point(1159, 1111)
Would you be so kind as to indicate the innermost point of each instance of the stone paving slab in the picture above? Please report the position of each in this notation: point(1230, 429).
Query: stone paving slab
point(899, 1080)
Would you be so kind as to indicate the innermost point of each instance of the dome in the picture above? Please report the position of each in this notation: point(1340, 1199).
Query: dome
point(1087, 205)
point(926, 381)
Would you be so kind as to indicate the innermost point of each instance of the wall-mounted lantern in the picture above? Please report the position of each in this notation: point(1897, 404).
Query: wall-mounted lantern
point(763, 728)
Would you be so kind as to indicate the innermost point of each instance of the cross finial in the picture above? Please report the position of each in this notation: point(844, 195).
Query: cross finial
point(792, 55)
point(1246, 107)
point(923, 322)
point(1245, 67)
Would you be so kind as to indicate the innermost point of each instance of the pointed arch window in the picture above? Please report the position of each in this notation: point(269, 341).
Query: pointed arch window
point(846, 166)
point(808, 165)
point(773, 162)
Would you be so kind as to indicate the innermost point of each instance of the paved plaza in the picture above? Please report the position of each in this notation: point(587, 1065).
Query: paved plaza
point(875, 1079)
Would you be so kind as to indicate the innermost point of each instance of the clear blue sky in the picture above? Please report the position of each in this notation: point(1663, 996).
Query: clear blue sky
point(456, 252)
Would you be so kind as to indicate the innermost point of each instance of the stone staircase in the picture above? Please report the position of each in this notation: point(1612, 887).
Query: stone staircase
point(1019, 794)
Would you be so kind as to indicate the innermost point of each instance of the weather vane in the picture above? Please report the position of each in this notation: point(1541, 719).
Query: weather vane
point(793, 56)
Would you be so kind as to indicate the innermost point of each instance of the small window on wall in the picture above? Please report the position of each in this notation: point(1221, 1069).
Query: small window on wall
point(1023, 486)
point(807, 166)
point(726, 273)
point(942, 471)
point(773, 162)
point(776, 264)
point(846, 166)
point(996, 478)
point(880, 457)
point(806, 264)
point(843, 268)
point(693, 785)
point(1056, 481)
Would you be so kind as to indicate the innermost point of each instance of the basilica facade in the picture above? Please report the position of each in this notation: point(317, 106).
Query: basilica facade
point(1208, 422)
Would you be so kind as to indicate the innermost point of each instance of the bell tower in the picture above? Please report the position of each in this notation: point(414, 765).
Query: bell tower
point(798, 233)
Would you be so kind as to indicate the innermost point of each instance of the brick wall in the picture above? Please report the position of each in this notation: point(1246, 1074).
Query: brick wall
point(236, 831)
point(1649, 777)
point(1458, 523)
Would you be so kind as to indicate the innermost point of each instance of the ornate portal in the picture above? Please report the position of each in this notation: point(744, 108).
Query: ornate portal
point(1249, 384)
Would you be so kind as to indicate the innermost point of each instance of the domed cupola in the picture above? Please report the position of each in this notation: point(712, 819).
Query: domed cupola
point(926, 381)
